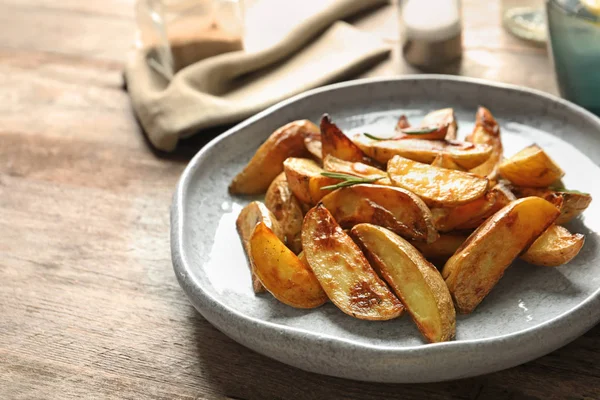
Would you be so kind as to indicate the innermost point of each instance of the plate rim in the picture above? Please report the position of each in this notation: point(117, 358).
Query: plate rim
point(590, 306)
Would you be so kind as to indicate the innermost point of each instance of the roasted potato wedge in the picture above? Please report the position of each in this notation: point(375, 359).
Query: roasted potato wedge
point(444, 121)
point(480, 262)
point(487, 131)
point(289, 280)
point(466, 155)
point(556, 246)
point(312, 142)
point(343, 271)
point(334, 164)
point(573, 203)
point(337, 144)
point(531, 167)
point(443, 248)
point(436, 185)
point(287, 210)
point(394, 208)
point(267, 162)
point(305, 180)
point(473, 214)
point(416, 282)
point(249, 217)
point(443, 160)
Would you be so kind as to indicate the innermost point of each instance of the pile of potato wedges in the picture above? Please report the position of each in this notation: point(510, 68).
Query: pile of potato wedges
point(415, 221)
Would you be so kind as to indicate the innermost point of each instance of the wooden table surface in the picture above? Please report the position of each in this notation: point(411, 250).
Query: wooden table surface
point(89, 305)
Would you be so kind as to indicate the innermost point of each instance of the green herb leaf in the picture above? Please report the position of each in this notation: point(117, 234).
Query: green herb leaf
point(419, 131)
point(348, 180)
point(375, 137)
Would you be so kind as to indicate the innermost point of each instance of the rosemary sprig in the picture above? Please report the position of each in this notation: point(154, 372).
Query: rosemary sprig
point(375, 137)
point(348, 180)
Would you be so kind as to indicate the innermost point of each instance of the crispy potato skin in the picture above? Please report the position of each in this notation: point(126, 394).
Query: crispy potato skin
point(436, 185)
point(343, 271)
point(444, 120)
point(415, 281)
point(287, 210)
point(466, 155)
point(443, 248)
point(305, 180)
point(337, 144)
point(443, 160)
point(531, 167)
point(249, 217)
point(402, 123)
point(312, 142)
point(573, 203)
point(556, 246)
point(480, 262)
point(394, 208)
point(487, 131)
point(267, 162)
point(288, 279)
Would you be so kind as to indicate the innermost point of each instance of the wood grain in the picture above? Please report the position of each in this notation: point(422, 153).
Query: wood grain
point(89, 306)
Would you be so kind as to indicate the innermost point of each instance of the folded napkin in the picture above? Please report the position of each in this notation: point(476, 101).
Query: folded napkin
point(307, 47)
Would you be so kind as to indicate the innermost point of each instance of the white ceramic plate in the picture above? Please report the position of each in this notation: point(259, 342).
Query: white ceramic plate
point(532, 311)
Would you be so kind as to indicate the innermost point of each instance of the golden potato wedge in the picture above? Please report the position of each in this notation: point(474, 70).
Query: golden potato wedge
point(267, 162)
point(466, 155)
point(343, 271)
point(531, 167)
point(337, 144)
point(443, 248)
point(287, 210)
point(436, 185)
point(444, 120)
point(473, 214)
point(443, 160)
point(391, 207)
point(289, 280)
point(312, 142)
point(480, 262)
point(305, 180)
point(556, 246)
point(573, 203)
point(334, 164)
point(416, 282)
point(249, 217)
point(487, 131)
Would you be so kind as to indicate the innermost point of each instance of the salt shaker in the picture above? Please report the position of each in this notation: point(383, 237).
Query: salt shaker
point(432, 32)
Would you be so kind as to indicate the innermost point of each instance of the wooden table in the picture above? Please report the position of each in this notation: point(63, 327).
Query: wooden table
point(89, 305)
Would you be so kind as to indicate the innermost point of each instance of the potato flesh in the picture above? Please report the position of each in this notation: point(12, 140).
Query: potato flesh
point(445, 161)
point(394, 208)
point(443, 248)
point(556, 246)
point(267, 162)
point(343, 271)
point(466, 155)
point(531, 167)
point(337, 144)
point(282, 273)
point(573, 203)
point(480, 262)
point(249, 217)
point(334, 164)
point(436, 185)
point(490, 166)
point(305, 180)
point(287, 210)
point(416, 282)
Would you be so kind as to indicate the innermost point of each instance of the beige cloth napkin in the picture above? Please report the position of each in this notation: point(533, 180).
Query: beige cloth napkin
point(230, 87)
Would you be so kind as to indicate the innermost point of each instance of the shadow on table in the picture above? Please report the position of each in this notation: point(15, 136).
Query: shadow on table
point(240, 373)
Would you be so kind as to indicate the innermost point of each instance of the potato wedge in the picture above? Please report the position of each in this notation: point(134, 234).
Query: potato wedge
point(556, 246)
point(337, 144)
point(249, 217)
point(267, 162)
point(466, 155)
point(416, 282)
point(531, 167)
point(436, 185)
point(443, 248)
point(487, 131)
point(289, 280)
point(402, 123)
point(443, 160)
point(343, 271)
point(394, 208)
point(573, 203)
point(312, 142)
point(480, 262)
point(334, 164)
point(444, 120)
point(287, 210)
point(305, 180)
